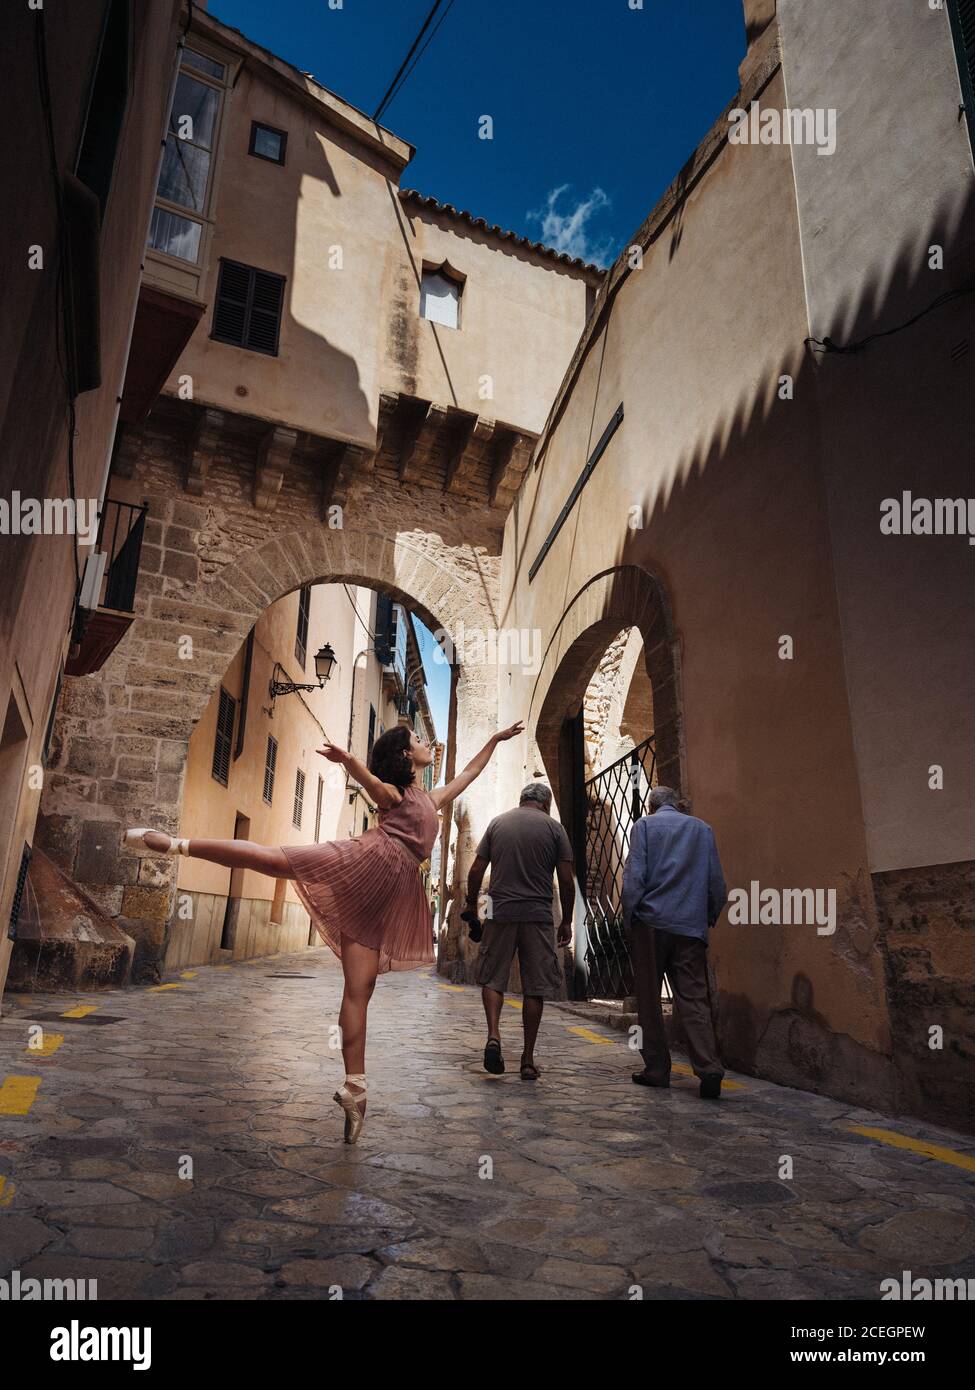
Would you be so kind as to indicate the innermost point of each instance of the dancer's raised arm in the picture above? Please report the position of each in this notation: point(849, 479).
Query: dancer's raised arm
point(442, 796)
point(384, 794)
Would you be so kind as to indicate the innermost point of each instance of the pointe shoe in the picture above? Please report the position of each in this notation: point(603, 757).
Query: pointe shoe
point(349, 1101)
point(136, 839)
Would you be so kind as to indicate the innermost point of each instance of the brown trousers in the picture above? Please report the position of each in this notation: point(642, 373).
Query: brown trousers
point(683, 959)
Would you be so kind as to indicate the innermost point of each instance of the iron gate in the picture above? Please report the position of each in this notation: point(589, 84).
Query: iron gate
point(612, 801)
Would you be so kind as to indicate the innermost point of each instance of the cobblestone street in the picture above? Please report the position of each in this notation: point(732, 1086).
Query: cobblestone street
point(465, 1186)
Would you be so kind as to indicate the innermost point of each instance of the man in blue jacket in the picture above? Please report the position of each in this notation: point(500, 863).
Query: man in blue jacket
point(673, 893)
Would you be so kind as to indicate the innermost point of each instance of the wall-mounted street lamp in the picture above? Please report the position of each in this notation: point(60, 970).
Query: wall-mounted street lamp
point(324, 662)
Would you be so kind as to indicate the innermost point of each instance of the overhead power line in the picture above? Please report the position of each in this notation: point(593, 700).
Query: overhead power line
point(407, 66)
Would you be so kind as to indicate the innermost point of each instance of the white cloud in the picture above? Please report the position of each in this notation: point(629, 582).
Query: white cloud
point(569, 231)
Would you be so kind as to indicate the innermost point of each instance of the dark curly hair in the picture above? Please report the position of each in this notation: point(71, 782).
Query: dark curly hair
point(388, 760)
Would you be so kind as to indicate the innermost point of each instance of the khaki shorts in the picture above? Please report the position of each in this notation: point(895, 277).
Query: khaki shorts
point(541, 973)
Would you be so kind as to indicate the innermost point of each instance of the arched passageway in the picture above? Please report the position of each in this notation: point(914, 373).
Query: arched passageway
point(601, 776)
point(122, 735)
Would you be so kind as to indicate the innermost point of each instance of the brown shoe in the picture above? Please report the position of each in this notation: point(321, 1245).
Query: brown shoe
point(643, 1078)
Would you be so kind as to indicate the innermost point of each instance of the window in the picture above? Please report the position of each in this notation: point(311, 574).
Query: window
point(268, 143)
point(299, 799)
point(106, 108)
point(372, 731)
point(247, 312)
point(440, 299)
point(318, 810)
point(962, 16)
point(184, 179)
point(270, 763)
point(225, 736)
point(202, 63)
point(301, 640)
point(177, 236)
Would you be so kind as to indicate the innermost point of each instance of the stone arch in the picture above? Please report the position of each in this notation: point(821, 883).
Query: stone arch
point(626, 596)
point(143, 705)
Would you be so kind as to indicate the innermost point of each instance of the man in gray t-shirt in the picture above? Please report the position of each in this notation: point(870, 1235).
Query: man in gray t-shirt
point(524, 848)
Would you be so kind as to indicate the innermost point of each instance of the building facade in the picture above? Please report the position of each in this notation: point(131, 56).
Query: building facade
point(779, 357)
point(92, 85)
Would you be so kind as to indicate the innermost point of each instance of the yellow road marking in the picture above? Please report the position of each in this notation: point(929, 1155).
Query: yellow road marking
point(221, 967)
point(187, 975)
point(17, 1094)
point(917, 1146)
point(81, 1011)
point(7, 1191)
point(726, 1085)
point(458, 988)
point(50, 1045)
point(157, 989)
point(592, 1037)
point(514, 1004)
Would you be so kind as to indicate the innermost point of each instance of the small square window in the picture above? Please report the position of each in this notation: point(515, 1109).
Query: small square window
point(268, 143)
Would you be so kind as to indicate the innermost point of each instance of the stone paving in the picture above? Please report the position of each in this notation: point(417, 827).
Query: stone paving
point(463, 1186)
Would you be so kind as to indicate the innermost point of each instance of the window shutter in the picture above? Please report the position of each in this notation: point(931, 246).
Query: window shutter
point(318, 810)
point(225, 736)
point(270, 763)
point(230, 312)
point(262, 333)
point(299, 798)
point(301, 640)
point(962, 16)
point(247, 312)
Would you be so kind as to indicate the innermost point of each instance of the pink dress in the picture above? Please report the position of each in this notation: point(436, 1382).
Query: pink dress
point(369, 889)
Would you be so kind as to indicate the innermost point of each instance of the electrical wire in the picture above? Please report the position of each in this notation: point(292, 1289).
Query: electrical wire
point(369, 633)
point(406, 67)
point(826, 345)
point(423, 50)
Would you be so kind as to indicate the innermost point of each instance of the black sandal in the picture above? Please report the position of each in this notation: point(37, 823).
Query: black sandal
point(493, 1061)
point(529, 1072)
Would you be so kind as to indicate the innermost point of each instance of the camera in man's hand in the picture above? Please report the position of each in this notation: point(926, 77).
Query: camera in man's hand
point(475, 927)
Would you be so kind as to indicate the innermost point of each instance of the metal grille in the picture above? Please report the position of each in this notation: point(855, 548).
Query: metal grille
point(270, 763)
point(614, 799)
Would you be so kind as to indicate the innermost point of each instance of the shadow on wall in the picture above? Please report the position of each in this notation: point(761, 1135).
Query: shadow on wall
point(779, 505)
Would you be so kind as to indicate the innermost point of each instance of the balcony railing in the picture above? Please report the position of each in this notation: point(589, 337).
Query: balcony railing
point(120, 530)
point(107, 602)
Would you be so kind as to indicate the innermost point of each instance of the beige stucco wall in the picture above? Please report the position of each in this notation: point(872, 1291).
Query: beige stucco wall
point(900, 415)
point(352, 329)
point(520, 319)
point(725, 479)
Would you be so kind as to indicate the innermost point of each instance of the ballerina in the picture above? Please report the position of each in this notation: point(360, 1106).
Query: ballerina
point(364, 895)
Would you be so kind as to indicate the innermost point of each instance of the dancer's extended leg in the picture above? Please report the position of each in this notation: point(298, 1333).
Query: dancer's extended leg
point(232, 854)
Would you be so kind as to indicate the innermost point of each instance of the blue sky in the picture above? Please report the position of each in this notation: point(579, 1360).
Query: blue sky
point(595, 106)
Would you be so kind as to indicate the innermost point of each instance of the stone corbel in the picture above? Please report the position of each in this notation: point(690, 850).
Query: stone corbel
point(418, 442)
point(510, 466)
point(346, 463)
point(273, 457)
point(468, 453)
point(204, 444)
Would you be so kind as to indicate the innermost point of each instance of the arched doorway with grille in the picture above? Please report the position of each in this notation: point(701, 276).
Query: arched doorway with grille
point(607, 719)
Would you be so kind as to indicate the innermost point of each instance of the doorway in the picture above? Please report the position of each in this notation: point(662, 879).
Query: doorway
point(242, 830)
